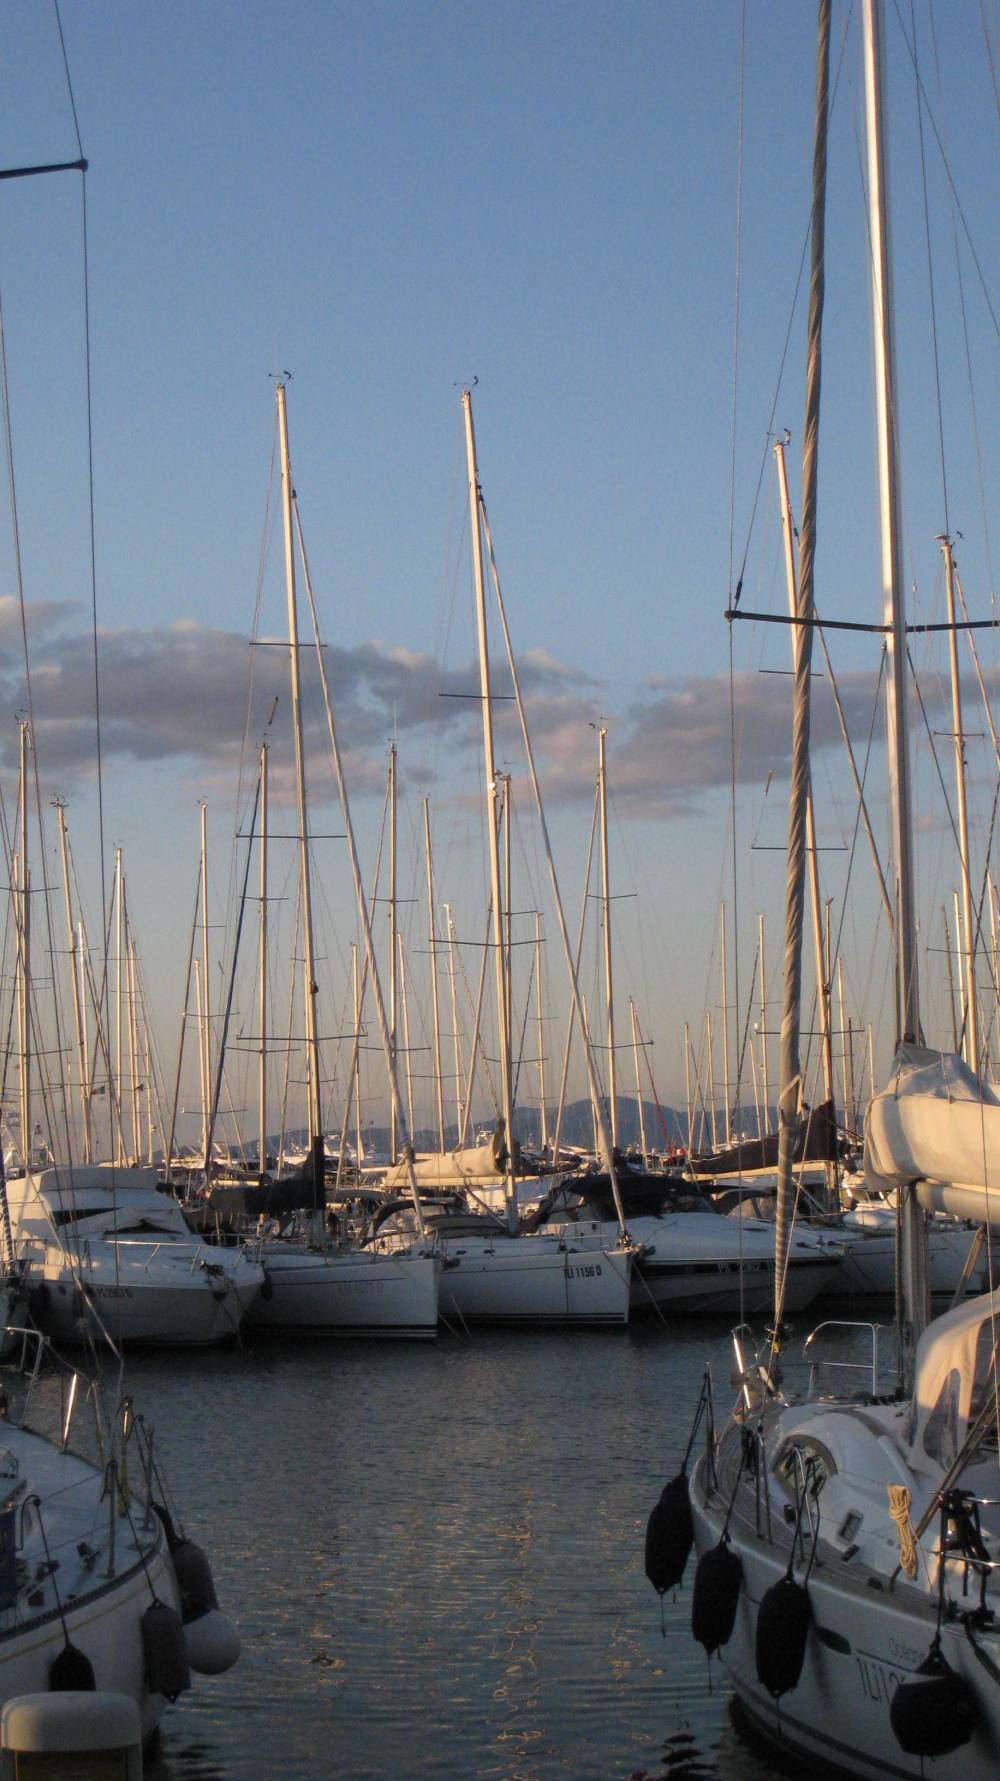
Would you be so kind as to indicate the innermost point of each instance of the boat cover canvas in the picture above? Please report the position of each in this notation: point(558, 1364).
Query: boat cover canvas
point(938, 1124)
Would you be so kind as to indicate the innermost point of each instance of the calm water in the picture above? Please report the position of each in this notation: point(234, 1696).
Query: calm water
point(435, 1558)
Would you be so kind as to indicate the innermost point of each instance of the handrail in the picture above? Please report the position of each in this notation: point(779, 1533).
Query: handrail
point(844, 1366)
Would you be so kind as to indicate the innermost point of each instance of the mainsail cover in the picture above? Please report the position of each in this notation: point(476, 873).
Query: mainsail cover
point(481, 1165)
point(816, 1142)
point(937, 1124)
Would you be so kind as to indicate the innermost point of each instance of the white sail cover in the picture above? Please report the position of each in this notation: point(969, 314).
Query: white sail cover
point(474, 1167)
point(938, 1124)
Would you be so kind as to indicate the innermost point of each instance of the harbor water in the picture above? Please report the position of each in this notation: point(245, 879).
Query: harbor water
point(435, 1557)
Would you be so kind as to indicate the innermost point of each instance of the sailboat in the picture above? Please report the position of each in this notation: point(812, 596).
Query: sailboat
point(847, 1570)
point(505, 1275)
point(99, 1590)
point(312, 1282)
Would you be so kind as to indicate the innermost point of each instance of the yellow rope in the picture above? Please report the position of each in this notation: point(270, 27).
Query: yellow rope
point(899, 1509)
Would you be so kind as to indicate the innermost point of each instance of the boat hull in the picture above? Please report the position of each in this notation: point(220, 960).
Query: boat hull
point(869, 1269)
point(863, 1641)
point(106, 1628)
point(528, 1280)
point(715, 1289)
point(357, 1293)
point(165, 1303)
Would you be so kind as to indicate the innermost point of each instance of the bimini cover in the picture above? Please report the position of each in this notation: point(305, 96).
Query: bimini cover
point(936, 1123)
point(955, 1373)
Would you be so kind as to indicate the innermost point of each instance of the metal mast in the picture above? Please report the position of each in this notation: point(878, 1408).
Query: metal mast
point(24, 951)
point(393, 949)
point(262, 1059)
point(432, 938)
point(81, 1042)
point(606, 903)
point(542, 1112)
point(724, 980)
point(790, 1091)
point(119, 1098)
point(203, 998)
point(311, 986)
point(493, 811)
point(456, 1037)
point(823, 985)
point(915, 1297)
point(968, 936)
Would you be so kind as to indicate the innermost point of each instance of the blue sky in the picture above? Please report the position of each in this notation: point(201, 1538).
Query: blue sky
point(389, 200)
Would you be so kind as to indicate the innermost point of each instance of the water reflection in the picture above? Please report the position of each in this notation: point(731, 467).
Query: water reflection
point(435, 1560)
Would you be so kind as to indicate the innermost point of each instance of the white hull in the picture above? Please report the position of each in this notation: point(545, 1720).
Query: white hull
point(106, 1629)
point(869, 1269)
point(863, 1641)
point(349, 1293)
point(535, 1280)
point(699, 1263)
point(103, 1613)
point(178, 1297)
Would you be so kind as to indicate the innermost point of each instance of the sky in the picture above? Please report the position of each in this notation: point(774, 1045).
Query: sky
point(558, 201)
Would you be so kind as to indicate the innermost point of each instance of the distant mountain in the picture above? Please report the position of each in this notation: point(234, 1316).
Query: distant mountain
point(577, 1127)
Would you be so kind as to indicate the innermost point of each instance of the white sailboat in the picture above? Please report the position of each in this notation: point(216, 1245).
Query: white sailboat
point(97, 1590)
point(314, 1283)
point(848, 1568)
point(504, 1275)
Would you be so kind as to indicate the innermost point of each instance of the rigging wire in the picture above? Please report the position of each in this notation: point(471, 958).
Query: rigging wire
point(930, 273)
point(945, 162)
point(90, 467)
point(963, 310)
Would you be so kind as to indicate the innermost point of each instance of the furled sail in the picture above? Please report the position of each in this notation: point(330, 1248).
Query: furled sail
point(938, 1124)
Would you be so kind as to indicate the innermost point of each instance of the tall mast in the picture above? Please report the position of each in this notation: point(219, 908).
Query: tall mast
point(262, 1058)
point(184, 1024)
point(915, 1307)
point(86, 1088)
point(432, 939)
point(203, 1003)
point(81, 1047)
point(149, 1090)
point(133, 1042)
point(710, 1076)
point(357, 1053)
point(724, 978)
point(968, 936)
point(790, 1095)
point(543, 1115)
point(311, 986)
point(823, 986)
point(24, 975)
point(763, 1032)
point(687, 1089)
point(638, 1082)
point(606, 1147)
point(606, 904)
point(119, 1098)
point(393, 948)
point(493, 812)
point(456, 1037)
point(508, 939)
point(201, 1062)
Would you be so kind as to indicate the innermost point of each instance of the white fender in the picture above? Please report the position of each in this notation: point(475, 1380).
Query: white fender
point(212, 1643)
